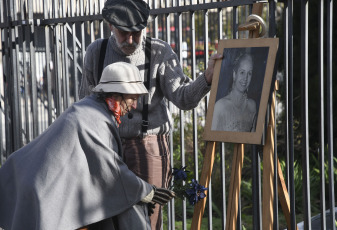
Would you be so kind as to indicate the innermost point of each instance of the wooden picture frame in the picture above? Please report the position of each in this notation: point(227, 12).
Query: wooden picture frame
point(237, 108)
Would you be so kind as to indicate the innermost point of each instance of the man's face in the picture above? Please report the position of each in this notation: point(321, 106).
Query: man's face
point(127, 41)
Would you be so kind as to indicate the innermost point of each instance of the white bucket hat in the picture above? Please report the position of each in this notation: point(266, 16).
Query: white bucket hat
point(121, 77)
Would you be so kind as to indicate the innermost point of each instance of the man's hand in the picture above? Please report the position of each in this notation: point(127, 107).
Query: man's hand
point(210, 68)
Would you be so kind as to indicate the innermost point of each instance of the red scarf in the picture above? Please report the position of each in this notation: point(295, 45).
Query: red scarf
point(114, 107)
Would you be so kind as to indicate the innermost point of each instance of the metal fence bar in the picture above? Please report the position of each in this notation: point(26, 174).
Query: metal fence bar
point(256, 187)
point(101, 5)
point(194, 114)
point(6, 73)
point(28, 128)
point(181, 113)
point(305, 119)
point(75, 53)
point(329, 20)
point(206, 14)
point(92, 30)
point(209, 203)
point(13, 82)
point(171, 207)
point(19, 74)
point(286, 76)
point(290, 114)
point(155, 22)
point(58, 67)
point(321, 91)
point(47, 81)
point(223, 183)
point(2, 87)
point(270, 110)
point(200, 7)
point(64, 61)
point(222, 145)
point(65, 66)
point(91, 17)
point(82, 29)
point(32, 42)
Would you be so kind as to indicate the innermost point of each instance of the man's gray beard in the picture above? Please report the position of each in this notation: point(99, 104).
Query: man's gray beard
point(127, 48)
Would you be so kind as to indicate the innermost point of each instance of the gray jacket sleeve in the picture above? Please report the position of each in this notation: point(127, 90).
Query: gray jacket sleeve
point(178, 88)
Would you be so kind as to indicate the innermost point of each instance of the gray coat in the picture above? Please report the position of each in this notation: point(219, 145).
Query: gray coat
point(71, 175)
point(167, 81)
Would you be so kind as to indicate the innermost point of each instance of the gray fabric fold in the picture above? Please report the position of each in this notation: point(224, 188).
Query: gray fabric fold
point(69, 176)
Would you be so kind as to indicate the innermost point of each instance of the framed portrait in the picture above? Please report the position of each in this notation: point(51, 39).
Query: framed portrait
point(240, 90)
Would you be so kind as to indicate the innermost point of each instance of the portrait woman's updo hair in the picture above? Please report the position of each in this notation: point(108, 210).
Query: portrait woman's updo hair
point(240, 57)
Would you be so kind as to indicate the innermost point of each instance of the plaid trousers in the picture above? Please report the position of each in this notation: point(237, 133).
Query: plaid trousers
point(149, 159)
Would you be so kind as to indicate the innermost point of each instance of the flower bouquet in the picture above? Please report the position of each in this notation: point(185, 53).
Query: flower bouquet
point(191, 189)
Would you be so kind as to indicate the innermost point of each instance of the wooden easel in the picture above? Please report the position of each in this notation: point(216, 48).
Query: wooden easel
point(235, 181)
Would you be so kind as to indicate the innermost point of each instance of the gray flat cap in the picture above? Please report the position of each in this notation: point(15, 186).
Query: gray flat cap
point(121, 77)
point(126, 15)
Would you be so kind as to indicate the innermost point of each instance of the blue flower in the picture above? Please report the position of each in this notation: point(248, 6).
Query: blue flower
point(191, 190)
point(196, 192)
point(179, 174)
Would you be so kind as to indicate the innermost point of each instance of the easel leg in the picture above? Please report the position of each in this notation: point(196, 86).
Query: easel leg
point(234, 187)
point(283, 195)
point(207, 168)
point(268, 170)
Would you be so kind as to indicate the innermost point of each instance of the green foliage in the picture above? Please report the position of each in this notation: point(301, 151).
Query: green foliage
point(201, 66)
point(315, 183)
point(315, 179)
point(187, 71)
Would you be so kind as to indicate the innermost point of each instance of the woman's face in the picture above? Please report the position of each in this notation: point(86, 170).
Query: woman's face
point(243, 75)
point(128, 102)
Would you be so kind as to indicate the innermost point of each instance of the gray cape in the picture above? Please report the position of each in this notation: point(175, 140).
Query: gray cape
point(71, 175)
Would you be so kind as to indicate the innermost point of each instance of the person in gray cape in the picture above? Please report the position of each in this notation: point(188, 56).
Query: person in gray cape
point(73, 175)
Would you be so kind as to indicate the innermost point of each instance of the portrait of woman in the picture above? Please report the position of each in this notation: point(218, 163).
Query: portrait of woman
point(240, 91)
point(235, 111)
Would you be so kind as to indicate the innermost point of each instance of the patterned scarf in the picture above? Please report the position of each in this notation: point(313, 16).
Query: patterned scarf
point(115, 108)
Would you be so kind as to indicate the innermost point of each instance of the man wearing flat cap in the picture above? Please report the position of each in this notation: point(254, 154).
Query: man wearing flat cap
point(145, 133)
point(73, 174)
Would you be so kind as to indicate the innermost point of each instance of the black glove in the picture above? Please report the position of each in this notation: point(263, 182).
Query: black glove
point(150, 208)
point(162, 195)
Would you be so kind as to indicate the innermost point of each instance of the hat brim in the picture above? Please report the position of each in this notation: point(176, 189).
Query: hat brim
point(124, 88)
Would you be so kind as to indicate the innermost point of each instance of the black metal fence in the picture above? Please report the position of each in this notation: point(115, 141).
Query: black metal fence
point(43, 43)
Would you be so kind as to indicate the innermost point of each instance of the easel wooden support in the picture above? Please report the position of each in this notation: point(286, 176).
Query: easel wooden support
point(235, 182)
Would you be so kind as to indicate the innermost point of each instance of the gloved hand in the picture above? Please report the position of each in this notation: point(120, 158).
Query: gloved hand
point(162, 195)
point(150, 208)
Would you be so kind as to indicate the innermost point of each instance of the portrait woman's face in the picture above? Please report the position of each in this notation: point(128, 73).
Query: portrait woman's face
point(243, 75)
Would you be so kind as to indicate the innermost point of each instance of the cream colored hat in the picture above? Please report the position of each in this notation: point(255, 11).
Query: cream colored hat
point(121, 77)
